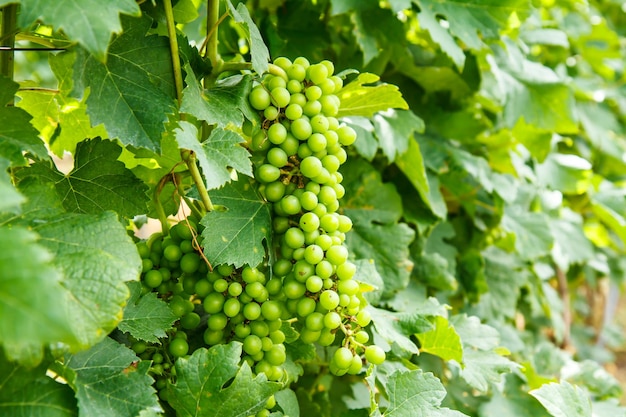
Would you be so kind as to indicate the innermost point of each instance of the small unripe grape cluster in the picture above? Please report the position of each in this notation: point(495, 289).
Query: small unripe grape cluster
point(302, 145)
point(224, 304)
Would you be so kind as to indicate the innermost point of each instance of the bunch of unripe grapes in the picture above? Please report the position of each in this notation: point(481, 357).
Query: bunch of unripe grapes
point(301, 143)
point(212, 306)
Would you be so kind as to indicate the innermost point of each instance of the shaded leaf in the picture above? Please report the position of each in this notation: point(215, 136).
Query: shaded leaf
point(235, 235)
point(132, 101)
point(199, 390)
point(110, 381)
point(442, 340)
point(98, 181)
point(146, 317)
point(563, 400)
point(220, 151)
point(258, 51)
point(30, 392)
point(90, 22)
point(532, 232)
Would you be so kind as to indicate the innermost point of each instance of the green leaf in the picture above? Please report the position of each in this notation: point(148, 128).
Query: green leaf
point(96, 257)
point(199, 390)
point(366, 40)
point(62, 121)
point(17, 135)
point(570, 243)
point(567, 173)
point(29, 392)
point(223, 104)
point(514, 401)
point(532, 232)
point(98, 181)
point(90, 22)
point(235, 235)
point(532, 91)
point(110, 381)
point(11, 198)
point(288, 402)
point(415, 393)
point(396, 327)
point(221, 150)
point(31, 295)
point(358, 99)
point(602, 128)
point(132, 101)
point(394, 129)
point(608, 205)
point(469, 21)
point(563, 400)
point(258, 51)
point(366, 144)
point(146, 317)
point(411, 163)
point(388, 246)
point(442, 340)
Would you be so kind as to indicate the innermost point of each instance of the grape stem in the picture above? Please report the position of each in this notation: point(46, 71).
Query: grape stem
point(199, 181)
point(212, 22)
point(171, 32)
point(9, 28)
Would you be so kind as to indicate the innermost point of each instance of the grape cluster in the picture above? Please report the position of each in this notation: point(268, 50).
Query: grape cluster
point(302, 146)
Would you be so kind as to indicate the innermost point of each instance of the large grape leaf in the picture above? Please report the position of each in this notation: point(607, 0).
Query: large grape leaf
point(61, 120)
point(146, 317)
point(109, 381)
point(98, 181)
point(90, 22)
point(394, 129)
point(532, 91)
point(222, 104)
point(220, 151)
point(513, 401)
point(97, 257)
point(235, 235)
point(441, 340)
point(563, 400)
point(132, 92)
point(415, 393)
point(31, 297)
point(411, 163)
point(532, 232)
point(468, 20)
point(259, 53)
point(358, 99)
point(29, 392)
point(17, 135)
point(11, 198)
point(200, 379)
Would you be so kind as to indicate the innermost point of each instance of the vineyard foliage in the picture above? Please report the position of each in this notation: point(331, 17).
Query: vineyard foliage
point(485, 191)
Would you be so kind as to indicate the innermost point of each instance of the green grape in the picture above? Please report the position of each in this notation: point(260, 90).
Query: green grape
point(305, 306)
point(189, 263)
point(178, 347)
point(277, 133)
point(329, 300)
point(252, 344)
point(259, 98)
point(317, 73)
point(267, 173)
point(313, 254)
point(313, 92)
point(271, 113)
point(139, 347)
point(271, 310)
point(337, 254)
point(363, 318)
point(220, 285)
point(213, 303)
point(280, 96)
point(290, 205)
point(235, 289)
point(252, 311)
point(342, 358)
point(146, 265)
point(316, 142)
point(356, 365)
point(348, 286)
point(311, 167)
point(276, 355)
point(232, 306)
point(294, 237)
point(143, 250)
point(213, 337)
point(314, 321)
point(374, 354)
point(301, 128)
point(190, 321)
point(153, 278)
point(362, 337)
point(332, 320)
point(314, 283)
point(259, 328)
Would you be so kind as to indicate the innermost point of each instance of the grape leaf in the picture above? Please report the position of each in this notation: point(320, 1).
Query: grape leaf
point(532, 232)
point(442, 340)
point(146, 317)
point(357, 99)
point(109, 381)
point(62, 121)
point(394, 129)
point(411, 163)
point(16, 133)
point(563, 400)
point(90, 22)
point(29, 392)
point(514, 401)
point(569, 174)
point(415, 393)
point(31, 295)
point(259, 53)
point(216, 154)
point(236, 235)
point(132, 100)
point(366, 144)
point(570, 243)
point(11, 198)
point(532, 91)
point(199, 390)
point(288, 402)
point(98, 181)
point(468, 21)
point(96, 257)
point(222, 104)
